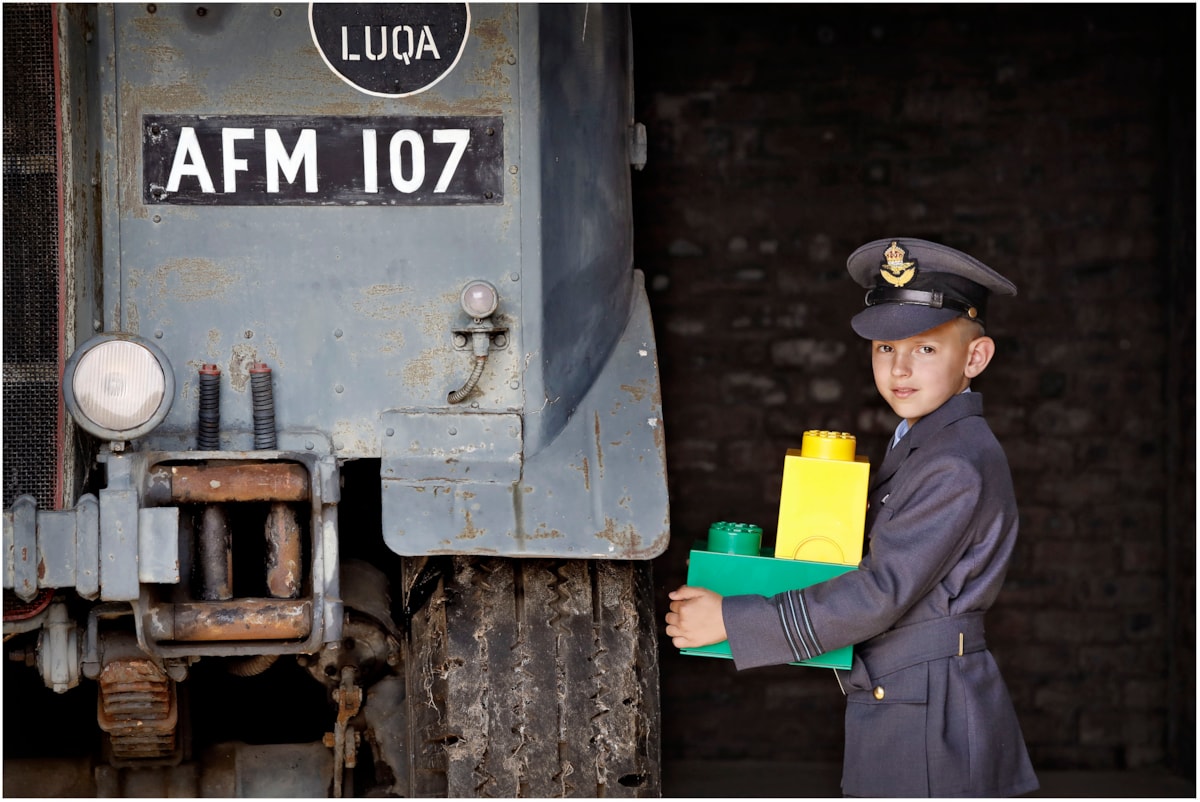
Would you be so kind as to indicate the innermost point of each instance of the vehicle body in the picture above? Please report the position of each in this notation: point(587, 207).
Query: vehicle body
point(338, 443)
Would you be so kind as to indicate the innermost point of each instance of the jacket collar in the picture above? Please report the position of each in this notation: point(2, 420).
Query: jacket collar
point(963, 405)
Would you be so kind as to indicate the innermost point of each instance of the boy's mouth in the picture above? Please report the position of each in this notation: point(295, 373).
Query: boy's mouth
point(903, 392)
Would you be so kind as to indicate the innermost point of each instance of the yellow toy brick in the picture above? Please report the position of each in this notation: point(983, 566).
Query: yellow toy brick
point(823, 505)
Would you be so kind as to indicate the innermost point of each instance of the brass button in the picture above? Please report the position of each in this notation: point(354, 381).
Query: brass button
point(878, 692)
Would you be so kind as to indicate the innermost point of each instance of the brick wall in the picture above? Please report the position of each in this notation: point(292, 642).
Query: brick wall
point(1055, 143)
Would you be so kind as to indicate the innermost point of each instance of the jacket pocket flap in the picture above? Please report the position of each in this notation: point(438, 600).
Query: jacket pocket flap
point(906, 686)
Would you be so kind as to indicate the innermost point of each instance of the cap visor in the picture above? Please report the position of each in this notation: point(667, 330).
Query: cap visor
point(898, 321)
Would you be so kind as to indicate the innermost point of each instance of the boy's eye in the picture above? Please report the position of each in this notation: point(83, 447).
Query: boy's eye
point(925, 349)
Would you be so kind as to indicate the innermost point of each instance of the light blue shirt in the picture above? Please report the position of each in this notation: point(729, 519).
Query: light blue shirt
point(903, 427)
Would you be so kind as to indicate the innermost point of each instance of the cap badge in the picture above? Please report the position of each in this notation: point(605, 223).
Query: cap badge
point(896, 270)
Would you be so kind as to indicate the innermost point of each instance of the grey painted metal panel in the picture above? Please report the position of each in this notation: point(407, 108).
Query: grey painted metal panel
point(20, 547)
point(56, 548)
point(158, 545)
point(354, 306)
point(118, 544)
point(351, 306)
point(87, 547)
point(598, 490)
point(478, 447)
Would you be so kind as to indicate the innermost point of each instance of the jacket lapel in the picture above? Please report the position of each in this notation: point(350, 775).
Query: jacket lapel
point(960, 406)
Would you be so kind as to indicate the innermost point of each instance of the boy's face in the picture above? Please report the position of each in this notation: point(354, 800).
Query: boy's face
point(917, 375)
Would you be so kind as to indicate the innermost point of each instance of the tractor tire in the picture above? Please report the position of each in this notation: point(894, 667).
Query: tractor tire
point(534, 678)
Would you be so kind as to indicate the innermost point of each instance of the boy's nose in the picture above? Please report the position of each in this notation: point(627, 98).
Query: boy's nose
point(900, 366)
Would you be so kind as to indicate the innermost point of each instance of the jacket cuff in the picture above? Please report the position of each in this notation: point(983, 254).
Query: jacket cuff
point(760, 633)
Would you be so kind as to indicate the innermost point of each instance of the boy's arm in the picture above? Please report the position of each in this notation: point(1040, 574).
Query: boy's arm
point(911, 551)
point(756, 635)
point(701, 617)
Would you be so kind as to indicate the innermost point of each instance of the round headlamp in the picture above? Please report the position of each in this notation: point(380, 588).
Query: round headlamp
point(118, 386)
point(479, 299)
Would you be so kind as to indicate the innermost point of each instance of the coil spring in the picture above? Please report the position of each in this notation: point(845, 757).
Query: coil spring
point(264, 407)
point(208, 437)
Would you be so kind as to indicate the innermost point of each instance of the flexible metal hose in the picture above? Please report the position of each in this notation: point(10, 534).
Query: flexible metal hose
point(464, 391)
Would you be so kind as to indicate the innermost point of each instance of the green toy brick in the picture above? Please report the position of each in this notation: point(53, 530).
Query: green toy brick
point(765, 575)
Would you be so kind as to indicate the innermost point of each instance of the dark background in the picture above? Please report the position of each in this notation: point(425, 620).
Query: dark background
point(1056, 144)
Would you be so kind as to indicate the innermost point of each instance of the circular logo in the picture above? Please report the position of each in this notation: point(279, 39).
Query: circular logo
point(390, 49)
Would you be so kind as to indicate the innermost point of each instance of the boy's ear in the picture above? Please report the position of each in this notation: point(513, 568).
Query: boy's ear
point(979, 354)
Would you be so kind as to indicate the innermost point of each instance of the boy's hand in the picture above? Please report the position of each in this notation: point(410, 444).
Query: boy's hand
point(695, 618)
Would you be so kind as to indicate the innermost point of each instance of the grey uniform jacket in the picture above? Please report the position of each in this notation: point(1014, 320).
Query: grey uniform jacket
point(921, 718)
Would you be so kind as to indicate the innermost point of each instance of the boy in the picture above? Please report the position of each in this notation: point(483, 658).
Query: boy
point(927, 712)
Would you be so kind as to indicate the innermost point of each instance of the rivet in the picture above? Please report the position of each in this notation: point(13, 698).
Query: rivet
point(337, 388)
point(452, 431)
point(390, 431)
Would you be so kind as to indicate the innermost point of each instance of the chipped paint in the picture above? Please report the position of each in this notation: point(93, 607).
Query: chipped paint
point(494, 75)
point(214, 343)
point(599, 449)
point(469, 530)
point(191, 279)
point(391, 341)
point(625, 538)
point(637, 391)
point(241, 357)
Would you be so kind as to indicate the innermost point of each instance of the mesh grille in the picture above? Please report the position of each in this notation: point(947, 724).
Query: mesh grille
point(30, 254)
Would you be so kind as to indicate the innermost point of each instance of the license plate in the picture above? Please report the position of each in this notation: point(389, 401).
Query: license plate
point(322, 161)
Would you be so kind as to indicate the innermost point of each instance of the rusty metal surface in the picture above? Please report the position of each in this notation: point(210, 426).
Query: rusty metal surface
point(284, 567)
point(215, 563)
point(137, 708)
point(237, 620)
point(222, 481)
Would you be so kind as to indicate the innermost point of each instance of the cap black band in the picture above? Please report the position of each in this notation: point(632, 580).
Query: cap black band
point(935, 299)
